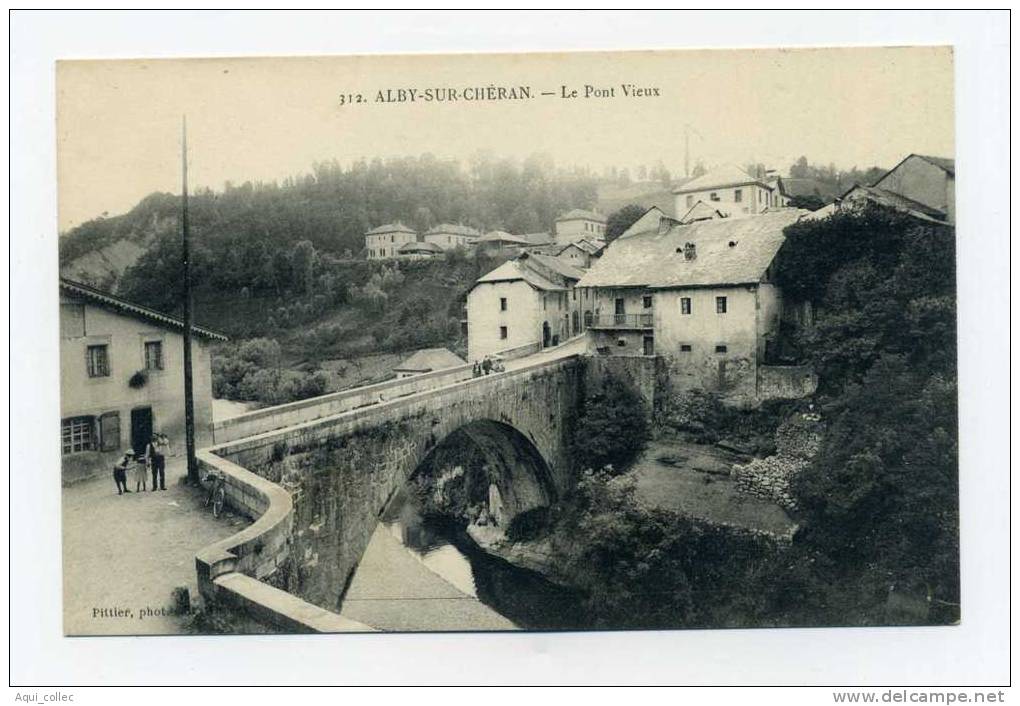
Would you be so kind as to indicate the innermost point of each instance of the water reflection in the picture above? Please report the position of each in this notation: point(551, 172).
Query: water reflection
point(524, 597)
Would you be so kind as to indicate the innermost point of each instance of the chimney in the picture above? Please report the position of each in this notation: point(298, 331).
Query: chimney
point(690, 252)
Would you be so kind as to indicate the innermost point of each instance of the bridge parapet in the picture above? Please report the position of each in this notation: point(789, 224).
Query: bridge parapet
point(281, 416)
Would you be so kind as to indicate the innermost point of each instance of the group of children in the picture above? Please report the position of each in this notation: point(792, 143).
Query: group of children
point(152, 460)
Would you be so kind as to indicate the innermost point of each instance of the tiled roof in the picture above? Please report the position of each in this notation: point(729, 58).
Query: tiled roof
point(501, 236)
point(123, 306)
point(419, 247)
point(542, 238)
point(512, 271)
point(895, 201)
point(657, 261)
point(795, 186)
point(397, 227)
point(589, 246)
point(943, 162)
point(453, 229)
point(430, 359)
point(553, 263)
point(579, 214)
point(726, 175)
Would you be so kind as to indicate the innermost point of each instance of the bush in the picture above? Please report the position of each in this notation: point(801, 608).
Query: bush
point(530, 524)
point(612, 428)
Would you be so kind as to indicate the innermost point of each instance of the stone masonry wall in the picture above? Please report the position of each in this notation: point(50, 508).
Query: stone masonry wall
point(798, 440)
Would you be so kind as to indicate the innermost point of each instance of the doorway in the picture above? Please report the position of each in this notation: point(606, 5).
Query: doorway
point(618, 311)
point(141, 428)
point(546, 334)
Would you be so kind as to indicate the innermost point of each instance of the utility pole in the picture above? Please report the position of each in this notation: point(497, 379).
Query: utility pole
point(189, 397)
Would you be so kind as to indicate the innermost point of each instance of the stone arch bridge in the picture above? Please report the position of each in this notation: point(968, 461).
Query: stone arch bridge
point(317, 487)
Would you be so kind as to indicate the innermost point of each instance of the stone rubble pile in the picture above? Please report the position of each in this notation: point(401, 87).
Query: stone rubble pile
point(798, 439)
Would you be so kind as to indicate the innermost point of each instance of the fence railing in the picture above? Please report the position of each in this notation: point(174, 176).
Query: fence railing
point(622, 321)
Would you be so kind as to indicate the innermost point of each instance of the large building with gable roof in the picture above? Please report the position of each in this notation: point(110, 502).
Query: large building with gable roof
point(122, 378)
point(700, 296)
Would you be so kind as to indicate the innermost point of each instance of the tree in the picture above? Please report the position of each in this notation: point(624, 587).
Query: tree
point(303, 259)
point(612, 427)
point(621, 220)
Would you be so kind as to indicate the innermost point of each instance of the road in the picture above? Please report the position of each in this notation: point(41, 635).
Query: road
point(124, 554)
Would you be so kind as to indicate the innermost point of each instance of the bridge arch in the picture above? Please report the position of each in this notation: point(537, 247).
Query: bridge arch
point(484, 464)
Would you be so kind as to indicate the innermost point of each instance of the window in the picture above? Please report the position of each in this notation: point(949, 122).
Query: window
point(685, 305)
point(573, 294)
point(721, 348)
point(685, 347)
point(738, 195)
point(621, 342)
point(97, 361)
point(502, 332)
point(586, 294)
point(76, 434)
point(646, 301)
point(502, 303)
point(690, 201)
point(713, 196)
point(720, 305)
point(153, 355)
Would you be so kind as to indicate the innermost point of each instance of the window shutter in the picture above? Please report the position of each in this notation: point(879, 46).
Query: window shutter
point(109, 431)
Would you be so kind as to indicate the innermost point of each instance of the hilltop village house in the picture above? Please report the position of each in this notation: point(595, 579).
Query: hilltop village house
point(919, 184)
point(122, 378)
point(698, 296)
point(385, 241)
point(733, 191)
point(449, 236)
point(530, 299)
point(579, 223)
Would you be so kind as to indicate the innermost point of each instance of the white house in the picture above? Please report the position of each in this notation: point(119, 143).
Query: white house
point(732, 190)
point(122, 378)
point(451, 235)
point(580, 223)
point(700, 296)
point(530, 299)
point(385, 241)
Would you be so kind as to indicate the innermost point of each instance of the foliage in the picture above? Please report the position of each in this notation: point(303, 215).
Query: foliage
point(138, 379)
point(880, 499)
point(621, 220)
point(612, 427)
point(251, 370)
point(842, 179)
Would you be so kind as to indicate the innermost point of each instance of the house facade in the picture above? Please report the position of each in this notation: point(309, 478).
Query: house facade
point(698, 296)
point(122, 378)
point(451, 235)
point(531, 299)
point(579, 223)
point(930, 181)
point(385, 241)
point(731, 190)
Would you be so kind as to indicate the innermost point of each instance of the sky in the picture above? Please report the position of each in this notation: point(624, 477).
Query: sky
point(263, 119)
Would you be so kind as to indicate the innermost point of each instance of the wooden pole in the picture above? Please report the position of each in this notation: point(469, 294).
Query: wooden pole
point(189, 397)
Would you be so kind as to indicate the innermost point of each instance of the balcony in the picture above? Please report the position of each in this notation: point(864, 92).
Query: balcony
point(622, 321)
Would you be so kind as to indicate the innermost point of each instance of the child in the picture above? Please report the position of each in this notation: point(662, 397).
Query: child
point(141, 471)
point(120, 472)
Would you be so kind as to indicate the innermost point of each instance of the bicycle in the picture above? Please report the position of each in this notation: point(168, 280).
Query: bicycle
point(217, 493)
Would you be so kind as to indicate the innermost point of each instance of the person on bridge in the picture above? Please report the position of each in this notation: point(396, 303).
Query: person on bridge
point(486, 365)
point(120, 472)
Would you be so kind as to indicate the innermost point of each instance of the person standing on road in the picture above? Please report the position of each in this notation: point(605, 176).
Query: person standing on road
point(141, 470)
point(156, 451)
point(120, 472)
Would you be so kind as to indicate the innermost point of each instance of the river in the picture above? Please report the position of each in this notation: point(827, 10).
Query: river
point(423, 574)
